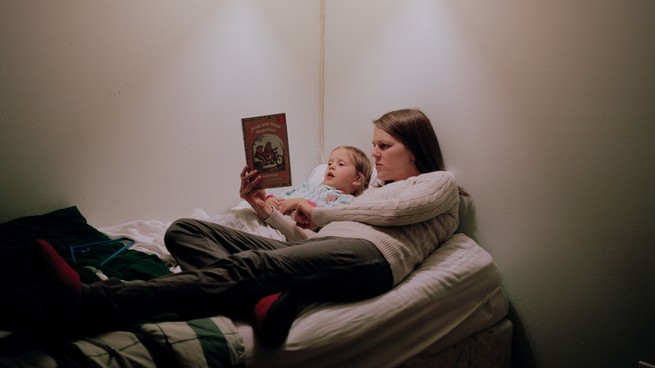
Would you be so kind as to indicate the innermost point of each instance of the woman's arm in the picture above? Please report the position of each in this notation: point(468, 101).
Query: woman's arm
point(257, 200)
point(404, 202)
point(288, 227)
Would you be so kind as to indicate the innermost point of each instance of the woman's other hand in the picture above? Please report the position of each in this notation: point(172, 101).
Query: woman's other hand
point(303, 216)
point(249, 192)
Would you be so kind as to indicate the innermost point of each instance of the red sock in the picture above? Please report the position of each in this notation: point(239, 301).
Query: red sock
point(60, 285)
point(263, 305)
point(274, 314)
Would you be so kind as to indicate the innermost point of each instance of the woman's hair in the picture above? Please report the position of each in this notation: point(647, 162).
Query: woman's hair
point(363, 167)
point(415, 131)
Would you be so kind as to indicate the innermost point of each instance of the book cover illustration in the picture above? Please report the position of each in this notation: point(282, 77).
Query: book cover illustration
point(266, 144)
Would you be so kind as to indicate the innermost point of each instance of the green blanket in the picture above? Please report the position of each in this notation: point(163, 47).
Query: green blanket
point(65, 228)
point(203, 342)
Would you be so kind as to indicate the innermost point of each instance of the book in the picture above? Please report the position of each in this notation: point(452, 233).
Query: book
point(266, 144)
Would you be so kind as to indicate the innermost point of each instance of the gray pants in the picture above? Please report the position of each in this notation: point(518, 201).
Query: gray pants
point(226, 271)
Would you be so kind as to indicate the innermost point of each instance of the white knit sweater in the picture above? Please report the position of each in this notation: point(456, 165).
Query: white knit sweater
point(406, 220)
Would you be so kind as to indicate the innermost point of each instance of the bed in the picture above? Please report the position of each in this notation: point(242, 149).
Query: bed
point(449, 312)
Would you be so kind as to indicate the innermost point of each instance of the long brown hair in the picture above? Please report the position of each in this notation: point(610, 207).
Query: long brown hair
point(413, 128)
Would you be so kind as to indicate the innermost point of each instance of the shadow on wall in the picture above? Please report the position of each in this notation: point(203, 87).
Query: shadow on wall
point(522, 354)
point(467, 223)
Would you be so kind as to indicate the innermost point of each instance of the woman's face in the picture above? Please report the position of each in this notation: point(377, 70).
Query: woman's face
point(393, 161)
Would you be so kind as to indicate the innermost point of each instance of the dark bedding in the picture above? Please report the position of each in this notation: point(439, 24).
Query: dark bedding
point(210, 342)
point(67, 227)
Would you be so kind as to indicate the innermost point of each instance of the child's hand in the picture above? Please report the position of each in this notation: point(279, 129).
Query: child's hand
point(303, 216)
point(288, 205)
point(275, 202)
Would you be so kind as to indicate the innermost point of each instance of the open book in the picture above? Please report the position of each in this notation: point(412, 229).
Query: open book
point(266, 144)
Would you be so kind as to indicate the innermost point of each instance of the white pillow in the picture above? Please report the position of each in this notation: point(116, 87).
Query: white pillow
point(316, 177)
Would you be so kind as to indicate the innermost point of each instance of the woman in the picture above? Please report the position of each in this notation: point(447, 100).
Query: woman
point(362, 249)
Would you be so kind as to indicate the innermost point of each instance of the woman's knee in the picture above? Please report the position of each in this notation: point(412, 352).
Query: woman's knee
point(178, 229)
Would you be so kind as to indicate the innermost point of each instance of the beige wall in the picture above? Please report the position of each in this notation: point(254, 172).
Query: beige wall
point(132, 110)
point(545, 112)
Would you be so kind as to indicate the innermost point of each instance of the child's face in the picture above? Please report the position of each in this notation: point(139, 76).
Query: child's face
point(341, 173)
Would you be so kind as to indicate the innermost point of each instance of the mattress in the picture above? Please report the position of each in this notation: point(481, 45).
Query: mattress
point(455, 293)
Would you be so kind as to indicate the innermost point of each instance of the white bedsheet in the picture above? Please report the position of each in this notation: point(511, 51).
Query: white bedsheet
point(456, 292)
point(148, 235)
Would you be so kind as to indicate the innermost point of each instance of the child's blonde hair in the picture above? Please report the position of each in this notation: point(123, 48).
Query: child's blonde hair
point(363, 167)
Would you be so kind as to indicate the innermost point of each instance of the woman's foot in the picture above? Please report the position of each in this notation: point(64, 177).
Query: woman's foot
point(274, 314)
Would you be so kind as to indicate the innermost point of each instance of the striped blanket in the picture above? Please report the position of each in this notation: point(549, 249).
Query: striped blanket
point(204, 342)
